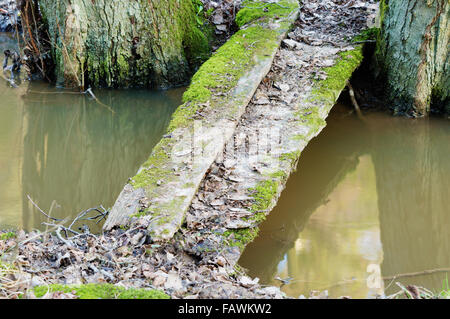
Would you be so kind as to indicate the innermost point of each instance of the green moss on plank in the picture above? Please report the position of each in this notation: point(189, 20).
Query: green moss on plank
point(328, 90)
point(310, 117)
point(281, 175)
point(263, 194)
point(124, 227)
point(217, 77)
point(153, 169)
point(291, 156)
point(257, 10)
point(219, 74)
point(370, 34)
point(240, 237)
point(223, 70)
point(101, 291)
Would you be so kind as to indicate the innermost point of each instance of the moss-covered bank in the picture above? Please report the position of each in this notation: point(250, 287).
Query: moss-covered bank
point(101, 291)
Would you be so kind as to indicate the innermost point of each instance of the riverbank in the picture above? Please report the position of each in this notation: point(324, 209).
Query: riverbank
point(157, 265)
point(235, 181)
point(189, 249)
point(87, 267)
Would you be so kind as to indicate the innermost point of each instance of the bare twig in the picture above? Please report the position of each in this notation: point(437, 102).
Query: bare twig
point(418, 273)
point(41, 211)
point(353, 99)
point(102, 213)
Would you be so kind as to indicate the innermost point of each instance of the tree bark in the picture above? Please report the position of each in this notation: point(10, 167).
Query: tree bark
point(146, 43)
point(412, 55)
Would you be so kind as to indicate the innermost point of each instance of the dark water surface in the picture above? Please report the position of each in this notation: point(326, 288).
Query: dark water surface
point(68, 150)
point(370, 200)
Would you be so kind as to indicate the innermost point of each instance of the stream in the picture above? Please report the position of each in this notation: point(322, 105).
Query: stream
point(368, 206)
point(68, 152)
point(370, 200)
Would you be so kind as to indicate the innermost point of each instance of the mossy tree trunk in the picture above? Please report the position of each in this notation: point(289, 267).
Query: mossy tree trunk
point(412, 55)
point(122, 43)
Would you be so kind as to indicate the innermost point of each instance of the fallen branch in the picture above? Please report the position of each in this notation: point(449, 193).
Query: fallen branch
point(80, 216)
point(89, 91)
point(102, 214)
point(10, 81)
point(353, 99)
point(41, 211)
point(418, 273)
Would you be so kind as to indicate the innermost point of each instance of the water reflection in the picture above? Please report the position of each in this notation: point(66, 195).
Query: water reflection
point(373, 193)
point(412, 164)
point(68, 149)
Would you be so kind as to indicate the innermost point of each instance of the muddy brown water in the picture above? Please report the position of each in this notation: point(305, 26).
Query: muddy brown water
point(68, 150)
point(370, 200)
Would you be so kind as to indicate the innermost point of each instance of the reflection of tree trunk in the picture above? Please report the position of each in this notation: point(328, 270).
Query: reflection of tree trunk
point(323, 165)
point(413, 54)
point(413, 195)
point(124, 43)
point(80, 154)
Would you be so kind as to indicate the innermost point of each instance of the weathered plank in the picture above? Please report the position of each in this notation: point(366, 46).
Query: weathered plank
point(218, 96)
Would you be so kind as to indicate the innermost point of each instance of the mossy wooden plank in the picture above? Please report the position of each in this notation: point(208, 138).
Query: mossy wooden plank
point(310, 113)
point(214, 103)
